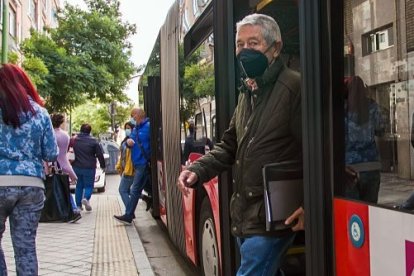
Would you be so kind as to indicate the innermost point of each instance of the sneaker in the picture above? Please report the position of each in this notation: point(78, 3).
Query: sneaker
point(88, 206)
point(75, 218)
point(123, 219)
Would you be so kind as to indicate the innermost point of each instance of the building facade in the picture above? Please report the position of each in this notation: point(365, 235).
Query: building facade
point(25, 15)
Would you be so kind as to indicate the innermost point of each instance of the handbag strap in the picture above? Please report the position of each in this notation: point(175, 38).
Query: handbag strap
point(142, 149)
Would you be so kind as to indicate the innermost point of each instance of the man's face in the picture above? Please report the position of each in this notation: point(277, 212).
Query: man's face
point(250, 36)
point(136, 116)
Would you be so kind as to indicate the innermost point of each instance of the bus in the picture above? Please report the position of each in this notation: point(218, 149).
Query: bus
point(329, 43)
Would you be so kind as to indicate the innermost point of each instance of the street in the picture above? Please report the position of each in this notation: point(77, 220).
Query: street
point(98, 245)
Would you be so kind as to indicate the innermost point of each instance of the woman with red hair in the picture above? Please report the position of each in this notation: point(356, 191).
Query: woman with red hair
point(27, 139)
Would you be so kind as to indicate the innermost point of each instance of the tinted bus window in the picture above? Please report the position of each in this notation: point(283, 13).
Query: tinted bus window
point(378, 102)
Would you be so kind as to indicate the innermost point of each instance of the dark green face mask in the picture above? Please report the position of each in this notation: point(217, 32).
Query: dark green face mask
point(253, 63)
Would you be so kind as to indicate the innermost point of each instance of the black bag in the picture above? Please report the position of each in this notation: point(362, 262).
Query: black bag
point(351, 178)
point(57, 206)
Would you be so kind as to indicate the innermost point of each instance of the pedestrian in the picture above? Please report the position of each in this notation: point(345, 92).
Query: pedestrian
point(363, 123)
point(62, 139)
point(124, 165)
point(27, 140)
point(141, 151)
point(86, 149)
point(265, 128)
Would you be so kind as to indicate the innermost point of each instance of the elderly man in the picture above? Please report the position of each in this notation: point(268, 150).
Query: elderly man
point(139, 141)
point(265, 128)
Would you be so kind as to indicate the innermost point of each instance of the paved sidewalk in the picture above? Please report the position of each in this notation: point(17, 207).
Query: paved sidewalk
point(95, 245)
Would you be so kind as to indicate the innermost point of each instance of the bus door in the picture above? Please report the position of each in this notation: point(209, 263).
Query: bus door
point(374, 109)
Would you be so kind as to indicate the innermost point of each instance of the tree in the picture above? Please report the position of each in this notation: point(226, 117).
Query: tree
point(86, 56)
point(99, 37)
point(63, 86)
point(98, 116)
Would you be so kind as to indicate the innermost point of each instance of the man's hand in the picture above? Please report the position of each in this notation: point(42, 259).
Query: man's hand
point(130, 142)
point(299, 214)
point(185, 180)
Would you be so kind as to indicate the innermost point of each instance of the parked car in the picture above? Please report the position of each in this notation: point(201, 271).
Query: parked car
point(100, 178)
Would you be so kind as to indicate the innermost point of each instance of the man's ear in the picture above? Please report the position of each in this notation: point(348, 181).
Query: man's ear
point(278, 48)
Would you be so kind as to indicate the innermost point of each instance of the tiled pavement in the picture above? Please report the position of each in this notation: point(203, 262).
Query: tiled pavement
point(95, 245)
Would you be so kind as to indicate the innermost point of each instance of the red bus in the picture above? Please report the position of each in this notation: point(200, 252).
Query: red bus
point(328, 42)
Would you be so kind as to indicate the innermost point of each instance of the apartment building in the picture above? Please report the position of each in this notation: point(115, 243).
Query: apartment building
point(25, 15)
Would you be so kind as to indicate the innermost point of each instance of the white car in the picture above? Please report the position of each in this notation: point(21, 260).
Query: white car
point(100, 178)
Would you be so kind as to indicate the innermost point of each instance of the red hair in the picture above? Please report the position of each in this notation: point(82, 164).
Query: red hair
point(16, 89)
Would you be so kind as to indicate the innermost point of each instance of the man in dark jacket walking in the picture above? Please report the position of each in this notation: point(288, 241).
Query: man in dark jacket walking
point(86, 149)
point(265, 128)
point(141, 152)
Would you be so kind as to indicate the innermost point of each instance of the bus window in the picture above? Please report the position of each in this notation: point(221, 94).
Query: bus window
point(378, 104)
point(374, 203)
point(197, 100)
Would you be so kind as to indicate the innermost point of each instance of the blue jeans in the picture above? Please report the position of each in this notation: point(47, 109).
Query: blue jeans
point(140, 178)
point(262, 255)
point(84, 186)
point(23, 206)
point(124, 188)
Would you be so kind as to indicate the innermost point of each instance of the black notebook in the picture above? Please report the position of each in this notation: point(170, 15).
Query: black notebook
point(283, 192)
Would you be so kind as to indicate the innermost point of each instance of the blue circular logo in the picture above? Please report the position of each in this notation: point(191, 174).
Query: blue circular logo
point(356, 231)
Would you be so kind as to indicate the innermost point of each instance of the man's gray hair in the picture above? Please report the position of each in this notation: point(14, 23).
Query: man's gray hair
point(270, 28)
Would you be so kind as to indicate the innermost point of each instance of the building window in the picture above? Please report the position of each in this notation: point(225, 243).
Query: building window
point(377, 40)
point(12, 22)
point(32, 13)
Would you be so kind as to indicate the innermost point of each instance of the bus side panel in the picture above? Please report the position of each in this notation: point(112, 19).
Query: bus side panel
point(211, 188)
point(190, 228)
point(351, 250)
point(391, 242)
point(162, 192)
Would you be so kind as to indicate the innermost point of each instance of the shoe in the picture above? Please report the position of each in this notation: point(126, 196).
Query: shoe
point(88, 206)
point(148, 201)
point(123, 219)
point(75, 218)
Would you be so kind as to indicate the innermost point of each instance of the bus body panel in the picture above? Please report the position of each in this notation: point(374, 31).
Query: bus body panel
point(371, 240)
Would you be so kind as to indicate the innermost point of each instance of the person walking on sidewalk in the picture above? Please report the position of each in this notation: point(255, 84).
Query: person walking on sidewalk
point(265, 128)
point(124, 166)
point(62, 139)
point(86, 149)
point(28, 139)
point(141, 151)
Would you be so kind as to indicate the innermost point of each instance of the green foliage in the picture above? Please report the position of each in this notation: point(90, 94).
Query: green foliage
point(36, 69)
point(98, 116)
point(99, 38)
point(13, 57)
point(93, 113)
point(63, 86)
point(196, 82)
point(85, 57)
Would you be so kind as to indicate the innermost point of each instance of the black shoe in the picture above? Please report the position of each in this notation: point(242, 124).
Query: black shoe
point(75, 218)
point(123, 219)
point(148, 201)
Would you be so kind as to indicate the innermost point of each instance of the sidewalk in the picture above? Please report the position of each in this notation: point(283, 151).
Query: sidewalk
point(96, 245)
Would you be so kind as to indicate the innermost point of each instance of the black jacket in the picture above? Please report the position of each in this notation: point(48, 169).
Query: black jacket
point(265, 128)
point(87, 149)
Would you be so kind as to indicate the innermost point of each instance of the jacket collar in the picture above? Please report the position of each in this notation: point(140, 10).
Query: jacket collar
point(271, 74)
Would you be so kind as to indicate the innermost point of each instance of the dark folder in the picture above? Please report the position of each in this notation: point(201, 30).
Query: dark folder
point(283, 192)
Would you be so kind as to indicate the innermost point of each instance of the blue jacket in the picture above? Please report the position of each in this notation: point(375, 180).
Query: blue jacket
point(143, 132)
point(23, 149)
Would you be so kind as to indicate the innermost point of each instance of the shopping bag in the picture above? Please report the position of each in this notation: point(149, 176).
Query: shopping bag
point(57, 206)
point(70, 154)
